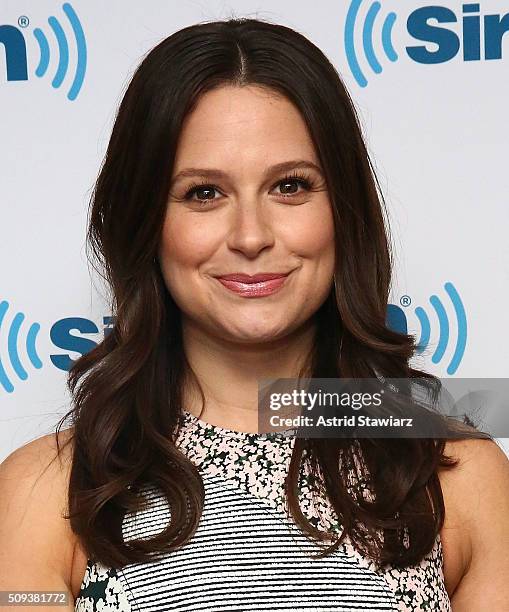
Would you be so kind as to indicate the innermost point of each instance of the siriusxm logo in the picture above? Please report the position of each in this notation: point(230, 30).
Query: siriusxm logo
point(16, 59)
point(62, 336)
point(397, 320)
point(427, 24)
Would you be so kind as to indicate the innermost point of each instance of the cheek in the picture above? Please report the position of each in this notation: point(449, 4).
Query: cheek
point(310, 231)
point(186, 241)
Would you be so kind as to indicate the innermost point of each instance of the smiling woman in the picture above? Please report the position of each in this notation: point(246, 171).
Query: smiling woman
point(240, 226)
point(247, 209)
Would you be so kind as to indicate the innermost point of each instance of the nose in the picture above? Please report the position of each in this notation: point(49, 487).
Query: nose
point(251, 230)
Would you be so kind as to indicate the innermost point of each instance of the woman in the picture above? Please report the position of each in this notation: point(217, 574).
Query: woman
point(236, 153)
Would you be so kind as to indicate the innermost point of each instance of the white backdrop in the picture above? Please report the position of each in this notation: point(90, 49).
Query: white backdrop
point(437, 133)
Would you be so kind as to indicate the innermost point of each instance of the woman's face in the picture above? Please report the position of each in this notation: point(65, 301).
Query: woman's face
point(247, 218)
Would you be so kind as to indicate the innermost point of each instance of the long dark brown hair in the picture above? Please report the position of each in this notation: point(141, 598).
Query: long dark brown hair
point(127, 391)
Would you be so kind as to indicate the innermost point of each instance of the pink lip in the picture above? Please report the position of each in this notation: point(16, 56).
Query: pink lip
point(256, 278)
point(258, 285)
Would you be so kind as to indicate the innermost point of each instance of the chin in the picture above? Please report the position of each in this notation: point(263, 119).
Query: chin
point(254, 334)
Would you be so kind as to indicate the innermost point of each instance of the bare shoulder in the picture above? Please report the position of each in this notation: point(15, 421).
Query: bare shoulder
point(476, 530)
point(38, 465)
point(44, 449)
point(483, 469)
point(467, 449)
point(36, 542)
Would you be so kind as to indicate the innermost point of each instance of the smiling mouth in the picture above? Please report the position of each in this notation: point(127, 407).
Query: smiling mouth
point(258, 288)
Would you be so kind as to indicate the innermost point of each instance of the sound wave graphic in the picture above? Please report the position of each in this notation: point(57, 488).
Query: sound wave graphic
point(13, 342)
point(63, 50)
point(367, 39)
point(443, 322)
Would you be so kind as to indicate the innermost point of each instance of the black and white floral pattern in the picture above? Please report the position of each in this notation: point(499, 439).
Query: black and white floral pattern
point(258, 463)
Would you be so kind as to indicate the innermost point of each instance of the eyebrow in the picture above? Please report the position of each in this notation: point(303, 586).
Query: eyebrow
point(213, 173)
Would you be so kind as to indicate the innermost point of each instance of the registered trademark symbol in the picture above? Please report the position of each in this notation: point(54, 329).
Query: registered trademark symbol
point(405, 300)
point(23, 21)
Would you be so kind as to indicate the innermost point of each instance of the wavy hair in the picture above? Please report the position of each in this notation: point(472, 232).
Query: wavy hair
point(127, 391)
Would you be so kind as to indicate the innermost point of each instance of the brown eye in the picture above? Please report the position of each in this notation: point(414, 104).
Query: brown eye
point(202, 191)
point(293, 184)
point(290, 185)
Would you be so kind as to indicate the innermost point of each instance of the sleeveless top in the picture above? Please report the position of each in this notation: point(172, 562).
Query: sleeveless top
point(247, 552)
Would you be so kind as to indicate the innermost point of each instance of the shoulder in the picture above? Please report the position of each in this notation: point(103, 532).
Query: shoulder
point(482, 473)
point(38, 459)
point(476, 497)
point(33, 500)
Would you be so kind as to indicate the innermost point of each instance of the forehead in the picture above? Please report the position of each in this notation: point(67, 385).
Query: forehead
point(236, 125)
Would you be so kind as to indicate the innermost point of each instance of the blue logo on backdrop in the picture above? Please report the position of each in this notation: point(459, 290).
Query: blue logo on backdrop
point(12, 348)
point(425, 24)
point(16, 59)
point(397, 320)
point(62, 337)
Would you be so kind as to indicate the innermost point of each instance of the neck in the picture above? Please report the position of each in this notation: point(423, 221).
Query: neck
point(228, 373)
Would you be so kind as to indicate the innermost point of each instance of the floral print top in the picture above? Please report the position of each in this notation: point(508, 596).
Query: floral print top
point(247, 553)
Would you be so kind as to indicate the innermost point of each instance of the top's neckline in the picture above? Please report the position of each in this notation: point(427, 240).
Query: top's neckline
point(231, 433)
